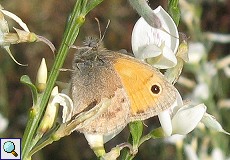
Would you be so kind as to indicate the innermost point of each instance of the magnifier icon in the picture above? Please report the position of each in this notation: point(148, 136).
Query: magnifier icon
point(9, 147)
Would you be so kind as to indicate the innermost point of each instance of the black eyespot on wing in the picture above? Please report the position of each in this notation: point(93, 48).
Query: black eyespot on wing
point(155, 89)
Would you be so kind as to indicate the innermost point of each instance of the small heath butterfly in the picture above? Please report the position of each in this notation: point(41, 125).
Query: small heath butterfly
point(136, 90)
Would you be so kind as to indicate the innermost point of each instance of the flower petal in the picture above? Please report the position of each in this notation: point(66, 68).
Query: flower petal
point(16, 19)
point(142, 36)
point(96, 143)
point(4, 27)
point(166, 60)
point(67, 104)
point(165, 120)
point(165, 116)
point(156, 46)
point(177, 104)
point(210, 122)
point(168, 25)
point(149, 51)
point(7, 48)
point(187, 118)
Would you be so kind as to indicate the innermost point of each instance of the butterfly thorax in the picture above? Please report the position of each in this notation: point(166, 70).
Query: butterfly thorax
point(90, 53)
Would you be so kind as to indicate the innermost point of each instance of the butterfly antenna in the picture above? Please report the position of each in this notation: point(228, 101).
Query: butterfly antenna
point(107, 26)
point(164, 30)
point(101, 37)
point(99, 27)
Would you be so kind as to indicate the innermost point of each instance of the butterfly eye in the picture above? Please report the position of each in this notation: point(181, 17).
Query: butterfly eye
point(155, 89)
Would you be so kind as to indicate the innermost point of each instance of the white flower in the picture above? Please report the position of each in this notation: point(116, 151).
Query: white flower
point(181, 119)
point(16, 19)
point(7, 38)
point(201, 91)
point(156, 46)
point(3, 123)
point(217, 153)
point(96, 143)
point(196, 52)
point(67, 104)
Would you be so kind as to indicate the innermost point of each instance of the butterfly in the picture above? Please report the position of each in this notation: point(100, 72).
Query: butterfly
point(132, 89)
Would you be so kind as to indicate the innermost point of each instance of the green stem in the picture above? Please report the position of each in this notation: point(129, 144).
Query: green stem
point(77, 18)
point(126, 155)
point(39, 147)
point(173, 3)
point(144, 138)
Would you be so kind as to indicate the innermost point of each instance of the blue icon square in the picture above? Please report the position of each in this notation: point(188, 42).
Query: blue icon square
point(10, 148)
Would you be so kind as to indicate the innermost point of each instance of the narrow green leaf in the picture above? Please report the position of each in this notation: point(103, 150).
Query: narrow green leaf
point(157, 133)
point(136, 129)
point(91, 4)
point(174, 11)
point(26, 80)
point(145, 11)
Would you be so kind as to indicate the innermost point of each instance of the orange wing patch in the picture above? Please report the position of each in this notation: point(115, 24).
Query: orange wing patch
point(137, 79)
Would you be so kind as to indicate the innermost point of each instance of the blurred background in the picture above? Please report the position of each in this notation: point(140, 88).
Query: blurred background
point(205, 79)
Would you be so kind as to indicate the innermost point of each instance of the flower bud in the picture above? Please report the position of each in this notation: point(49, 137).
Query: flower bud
point(41, 76)
point(50, 113)
point(96, 142)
